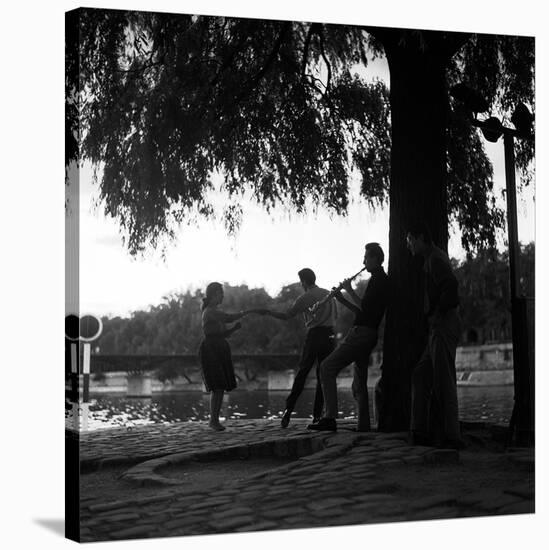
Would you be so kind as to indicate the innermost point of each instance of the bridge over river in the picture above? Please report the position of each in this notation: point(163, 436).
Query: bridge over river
point(141, 375)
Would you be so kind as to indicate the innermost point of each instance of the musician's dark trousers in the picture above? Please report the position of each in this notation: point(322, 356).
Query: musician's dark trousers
point(319, 343)
point(356, 347)
point(434, 390)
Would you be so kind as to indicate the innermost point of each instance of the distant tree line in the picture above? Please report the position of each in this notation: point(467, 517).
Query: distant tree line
point(485, 293)
point(174, 326)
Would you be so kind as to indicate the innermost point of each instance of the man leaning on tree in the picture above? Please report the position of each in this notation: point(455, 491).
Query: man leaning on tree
point(434, 414)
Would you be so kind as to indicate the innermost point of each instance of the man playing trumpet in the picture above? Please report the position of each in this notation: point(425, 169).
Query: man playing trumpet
point(359, 342)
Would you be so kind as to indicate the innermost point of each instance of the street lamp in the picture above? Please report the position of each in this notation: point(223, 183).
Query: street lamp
point(521, 427)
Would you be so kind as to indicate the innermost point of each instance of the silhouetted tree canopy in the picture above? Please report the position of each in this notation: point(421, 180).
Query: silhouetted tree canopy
point(162, 102)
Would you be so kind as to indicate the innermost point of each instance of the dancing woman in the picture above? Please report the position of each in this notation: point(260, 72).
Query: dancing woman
point(215, 352)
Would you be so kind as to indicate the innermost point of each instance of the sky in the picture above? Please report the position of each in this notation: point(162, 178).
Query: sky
point(267, 252)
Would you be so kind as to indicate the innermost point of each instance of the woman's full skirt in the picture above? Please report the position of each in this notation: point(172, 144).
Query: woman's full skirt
point(217, 364)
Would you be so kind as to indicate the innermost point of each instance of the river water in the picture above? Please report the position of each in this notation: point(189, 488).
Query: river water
point(480, 403)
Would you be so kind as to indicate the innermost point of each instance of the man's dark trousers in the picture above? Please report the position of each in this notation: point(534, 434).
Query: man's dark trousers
point(319, 343)
point(434, 380)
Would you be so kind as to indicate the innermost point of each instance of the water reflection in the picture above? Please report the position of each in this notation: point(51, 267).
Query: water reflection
point(487, 403)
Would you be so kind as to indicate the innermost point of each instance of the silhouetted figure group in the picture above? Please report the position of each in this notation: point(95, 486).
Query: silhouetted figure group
point(434, 390)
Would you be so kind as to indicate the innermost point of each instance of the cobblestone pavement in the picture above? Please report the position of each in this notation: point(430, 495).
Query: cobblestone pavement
point(340, 478)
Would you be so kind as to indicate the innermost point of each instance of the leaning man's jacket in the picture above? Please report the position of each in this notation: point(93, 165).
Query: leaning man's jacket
point(441, 286)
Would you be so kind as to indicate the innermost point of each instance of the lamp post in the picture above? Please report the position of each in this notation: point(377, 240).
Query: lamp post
point(521, 428)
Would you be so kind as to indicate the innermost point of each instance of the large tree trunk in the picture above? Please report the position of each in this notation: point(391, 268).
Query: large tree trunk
point(419, 103)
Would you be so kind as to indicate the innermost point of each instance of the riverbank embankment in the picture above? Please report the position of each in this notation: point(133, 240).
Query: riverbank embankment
point(185, 479)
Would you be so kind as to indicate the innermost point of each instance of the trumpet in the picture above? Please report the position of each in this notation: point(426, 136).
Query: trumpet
point(332, 293)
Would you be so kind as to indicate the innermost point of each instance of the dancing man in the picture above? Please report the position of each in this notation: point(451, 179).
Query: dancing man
point(359, 342)
point(319, 340)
